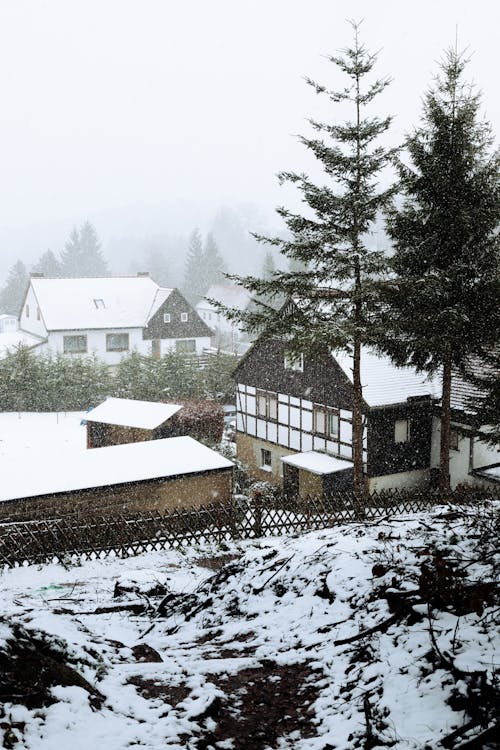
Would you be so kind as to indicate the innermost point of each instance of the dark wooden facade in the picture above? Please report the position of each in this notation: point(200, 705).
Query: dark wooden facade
point(176, 305)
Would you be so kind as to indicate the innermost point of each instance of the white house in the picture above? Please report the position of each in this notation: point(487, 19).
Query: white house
point(227, 333)
point(8, 323)
point(111, 316)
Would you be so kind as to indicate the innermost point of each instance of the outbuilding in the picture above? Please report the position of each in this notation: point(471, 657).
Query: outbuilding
point(125, 420)
point(160, 475)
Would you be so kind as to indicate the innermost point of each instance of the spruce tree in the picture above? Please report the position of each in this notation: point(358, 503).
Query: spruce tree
point(443, 301)
point(213, 263)
point(82, 255)
point(48, 265)
point(12, 293)
point(333, 270)
point(195, 283)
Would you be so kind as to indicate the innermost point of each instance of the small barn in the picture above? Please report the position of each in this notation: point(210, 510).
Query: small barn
point(159, 475)
point(124, 420)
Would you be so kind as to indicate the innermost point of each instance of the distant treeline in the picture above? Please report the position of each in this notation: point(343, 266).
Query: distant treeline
point(33, 382)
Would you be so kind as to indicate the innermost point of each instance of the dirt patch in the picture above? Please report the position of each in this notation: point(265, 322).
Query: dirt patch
point(262, 705)
point(215, 563)
point(154, 689)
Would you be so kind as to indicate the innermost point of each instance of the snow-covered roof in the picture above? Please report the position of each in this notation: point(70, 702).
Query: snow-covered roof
point(384, 383)
point(230, 295)
point(317, 463)
point(11, 340)
point(102, 467)
point(128, 412)
point(104, 302)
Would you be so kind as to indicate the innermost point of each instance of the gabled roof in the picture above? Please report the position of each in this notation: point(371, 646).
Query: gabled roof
point(128, 412)
point(113, 465)
point(384, 383)
point(103, 302)
point(230, 295)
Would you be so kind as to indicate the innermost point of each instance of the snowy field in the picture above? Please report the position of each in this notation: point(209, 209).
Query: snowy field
point(257, 645)
point(44, 432)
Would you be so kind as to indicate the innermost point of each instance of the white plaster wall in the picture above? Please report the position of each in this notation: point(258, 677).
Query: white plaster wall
point(31, 323)
point(8, 324)
point(96, 343)
point(484, 454)
point(404, 479)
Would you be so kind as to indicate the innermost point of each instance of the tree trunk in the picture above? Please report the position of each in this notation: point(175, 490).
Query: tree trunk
point(357, 422)
point(444, 458)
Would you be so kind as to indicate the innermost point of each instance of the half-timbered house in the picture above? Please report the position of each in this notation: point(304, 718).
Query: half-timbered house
point(294, 422)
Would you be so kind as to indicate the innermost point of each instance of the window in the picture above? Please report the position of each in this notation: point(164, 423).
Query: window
point(267, 405)
point(184, 317)
point(117, 342)
point(27, 311)
point(166, 317)
point(74, 344)
point(156, 348)
point(401, 430)
point(325, 422)
point(294, 362)
point(185, 346)
point(99, 303)
point(38, 316)
point(265, 459)
point(454, 440)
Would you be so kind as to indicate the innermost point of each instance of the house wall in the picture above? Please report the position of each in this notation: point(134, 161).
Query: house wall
point(30, 322)
point(472, 453)
point(249, 453)
point(294, 426)
point(189, 491)
point(175, 305)
point(8, 323)
point(100, 435)
point(96, 343)
point(401, 480)
point(385, 456)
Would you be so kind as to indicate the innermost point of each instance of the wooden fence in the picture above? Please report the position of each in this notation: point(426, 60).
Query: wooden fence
point(76, 537)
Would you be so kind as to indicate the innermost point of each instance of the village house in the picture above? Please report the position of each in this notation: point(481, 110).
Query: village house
point(157, 475)
point(294, 423)
point(111, 316)
point(227, 334)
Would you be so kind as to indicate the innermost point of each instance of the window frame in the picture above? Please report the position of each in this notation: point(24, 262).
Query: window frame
point(179, 343)
point(184, 317)
point(270, 410)
point(110, 348)
point(73, 337)
point(408, 431)
point(454, 440)
point(167, 318)
point(293, 363)
point(264, 464)
point(327, 414)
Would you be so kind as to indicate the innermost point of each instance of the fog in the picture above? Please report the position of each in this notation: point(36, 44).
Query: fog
point(148, 116)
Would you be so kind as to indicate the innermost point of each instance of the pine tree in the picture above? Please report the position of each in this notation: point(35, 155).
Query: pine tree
point(82, 255)
point(213, 263)
point(48, 265)
point(195, 283)
point(337, 274)
point(12, 293)
point(443, 302)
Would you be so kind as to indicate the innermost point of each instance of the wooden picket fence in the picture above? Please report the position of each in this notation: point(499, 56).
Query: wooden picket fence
point(79, 537)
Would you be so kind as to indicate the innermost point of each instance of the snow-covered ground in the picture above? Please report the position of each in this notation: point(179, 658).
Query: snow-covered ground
point(257, 645)
point(45, 432)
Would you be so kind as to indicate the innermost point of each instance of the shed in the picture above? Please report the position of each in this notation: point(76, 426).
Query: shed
point(125, 420)
point(156, 475)
point(315, 473)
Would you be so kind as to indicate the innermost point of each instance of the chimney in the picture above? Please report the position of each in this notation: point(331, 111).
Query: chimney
point(143, 274)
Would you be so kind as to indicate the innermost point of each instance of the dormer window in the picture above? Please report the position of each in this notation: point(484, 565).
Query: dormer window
point(166, 317)
point(184, 317)
point(99, 304)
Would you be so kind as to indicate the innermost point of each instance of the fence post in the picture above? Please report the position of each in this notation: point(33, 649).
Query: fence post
point(257, 512)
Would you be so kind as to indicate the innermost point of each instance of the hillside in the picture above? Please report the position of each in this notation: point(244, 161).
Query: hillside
point(363, 636)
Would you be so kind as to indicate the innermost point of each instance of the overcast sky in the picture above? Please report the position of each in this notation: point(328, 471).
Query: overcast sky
point(111, 107)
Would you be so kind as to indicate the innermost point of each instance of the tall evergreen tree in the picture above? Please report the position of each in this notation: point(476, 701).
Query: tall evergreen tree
point(195, 283)
point(443, 303)
point(213, 262)
point(333, 270)
point(12, 293)
point(82, 255)
point(48, 265)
